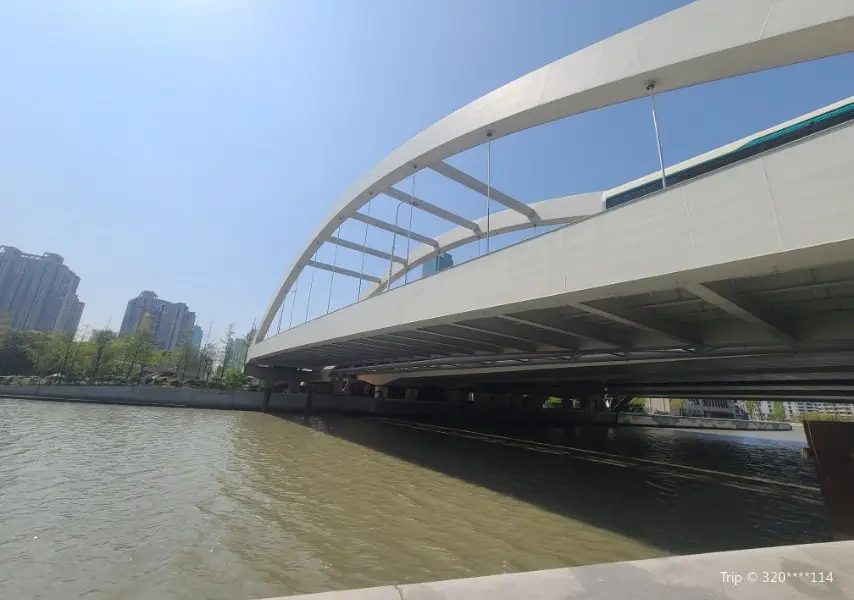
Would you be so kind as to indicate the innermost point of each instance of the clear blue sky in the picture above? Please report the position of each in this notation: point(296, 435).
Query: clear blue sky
point(190, 147)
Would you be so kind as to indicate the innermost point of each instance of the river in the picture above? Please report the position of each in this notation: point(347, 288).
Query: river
point(133, 503)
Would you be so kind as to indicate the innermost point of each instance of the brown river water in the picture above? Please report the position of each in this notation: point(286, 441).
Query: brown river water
point(134, 503)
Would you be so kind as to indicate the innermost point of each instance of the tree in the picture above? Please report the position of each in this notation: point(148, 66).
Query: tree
point(186, 358)
point(752, 408)
point(778, 411)
point(234, 379)
point(140, 347)
point(68, 341)
point(46, 351)
point(81, 351)
point(207, 357)
point(247, 341)
point(677, 405)
point(227, 349)
point(101, 340)
point(15, 354)
point(637, 405)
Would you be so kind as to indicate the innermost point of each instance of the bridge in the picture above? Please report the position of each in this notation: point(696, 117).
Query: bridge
point(730, 275)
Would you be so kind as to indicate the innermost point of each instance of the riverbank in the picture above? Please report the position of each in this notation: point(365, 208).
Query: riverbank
point(782, 573)
point(253, 401)
point(646, 420)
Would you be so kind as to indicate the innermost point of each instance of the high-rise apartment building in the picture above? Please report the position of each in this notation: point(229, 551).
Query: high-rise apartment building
point(795, 409)
point(196, 337)
point(39, 292)
point(171, 323)
point(235, 353)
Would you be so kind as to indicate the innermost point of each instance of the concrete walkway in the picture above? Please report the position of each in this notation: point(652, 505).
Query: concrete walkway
point(782, 573)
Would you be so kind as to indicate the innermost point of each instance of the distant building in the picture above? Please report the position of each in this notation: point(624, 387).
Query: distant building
point(796, 409)
point(658, 405)
point(440, 263)
point(706, 407)
point(695, 407)
point(196, 337)
point(171, 322)
point(235, 353)
point(38, 292)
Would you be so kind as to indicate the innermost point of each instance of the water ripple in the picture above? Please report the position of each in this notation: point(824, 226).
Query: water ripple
point(134, 503)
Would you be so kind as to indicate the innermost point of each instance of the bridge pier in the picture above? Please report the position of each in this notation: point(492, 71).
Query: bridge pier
point(309, 400)
point(832, 447)
point(593, 403)
point(272, 376)
point(268, 391)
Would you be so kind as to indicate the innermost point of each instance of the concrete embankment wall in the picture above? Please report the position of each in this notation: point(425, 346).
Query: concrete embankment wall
point(231, 400)
point(643, 420)
point(783, 573)
point(139, 395)
point(188, 397)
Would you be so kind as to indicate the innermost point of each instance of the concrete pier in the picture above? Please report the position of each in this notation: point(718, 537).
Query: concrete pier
point(783, 573)
point(832, 447)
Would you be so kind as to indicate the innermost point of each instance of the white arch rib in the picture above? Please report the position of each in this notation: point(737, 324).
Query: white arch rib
point(704, 41)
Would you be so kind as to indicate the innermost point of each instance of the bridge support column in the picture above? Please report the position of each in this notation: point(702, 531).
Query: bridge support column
point(832, 446)
point(270, 376)
point(593, 403)
point(268, 390)
point(309, 399)
point(456, 397)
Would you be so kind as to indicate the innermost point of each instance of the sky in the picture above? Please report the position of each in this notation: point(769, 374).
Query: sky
point(192, 147)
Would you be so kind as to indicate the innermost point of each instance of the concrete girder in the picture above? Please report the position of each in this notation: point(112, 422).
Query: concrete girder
point(479, 361)
point(474, 343)
point(351, 347)
point(459, 348)
point(638, 320)
point(739, 308)
point(560, 330)
point(355, 354)
point(384, 344)
point(529, 344)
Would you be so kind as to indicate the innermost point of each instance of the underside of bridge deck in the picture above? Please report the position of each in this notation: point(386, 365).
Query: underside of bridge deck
point(779, 334)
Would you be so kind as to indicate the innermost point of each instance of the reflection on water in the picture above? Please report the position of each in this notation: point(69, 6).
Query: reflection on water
point(118, 502)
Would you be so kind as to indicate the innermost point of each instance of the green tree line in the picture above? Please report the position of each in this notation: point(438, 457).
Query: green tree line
point(102, 356)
